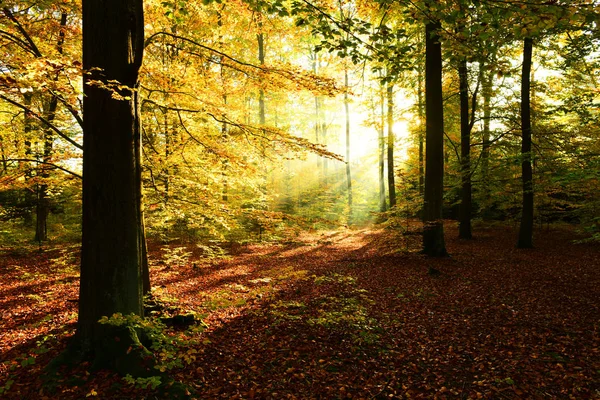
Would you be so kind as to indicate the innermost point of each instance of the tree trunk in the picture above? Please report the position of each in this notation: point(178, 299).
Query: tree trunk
point(464, 231)
point(382, 199)
point(4, 157)
point(112, 247)
point(137, 143)
point(324, 142)
point(526, 227)
point(318, 139)
point(433, 230)
point(261, 94)
point(224, 128)
point(43, 202)
point(390, 146)
point(421, 138)
point(348, 174)
point(488, 81)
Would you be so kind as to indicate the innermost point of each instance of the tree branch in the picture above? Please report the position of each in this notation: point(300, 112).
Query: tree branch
point(45, 163)
point(30, 42)
point(42, 119)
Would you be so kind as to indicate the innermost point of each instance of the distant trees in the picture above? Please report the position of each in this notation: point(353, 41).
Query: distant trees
point(213, 168)
point(34, 80)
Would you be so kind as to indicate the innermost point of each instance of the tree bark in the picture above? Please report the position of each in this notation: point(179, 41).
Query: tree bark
point(421, 138)
point(526, 228)
point(261, 94)
point(43, 202)
point(488, 81)
point(464, 230)
point(348, 172)
point(390, 146)
point(382, 199)
point(112, 247)
point(224, 128)
point(433, 230)
point(318, 126)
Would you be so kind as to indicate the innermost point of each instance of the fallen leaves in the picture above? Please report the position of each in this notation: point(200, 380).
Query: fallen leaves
point(342, 315)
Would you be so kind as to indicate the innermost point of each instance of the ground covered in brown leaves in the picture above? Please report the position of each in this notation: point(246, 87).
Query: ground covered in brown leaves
point(348, 314)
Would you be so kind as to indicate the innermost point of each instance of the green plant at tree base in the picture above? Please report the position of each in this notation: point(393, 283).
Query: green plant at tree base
point(171, 350)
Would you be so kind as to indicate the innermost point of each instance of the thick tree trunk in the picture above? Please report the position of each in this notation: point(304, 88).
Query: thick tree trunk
point(112, 248)
point(526, 227)
point(464, 231)
point(433, 230)
point(390, 146)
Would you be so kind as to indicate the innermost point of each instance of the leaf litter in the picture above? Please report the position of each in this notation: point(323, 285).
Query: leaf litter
point(346, 314)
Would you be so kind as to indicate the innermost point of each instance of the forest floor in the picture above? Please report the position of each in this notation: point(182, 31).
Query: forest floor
point(346, 314)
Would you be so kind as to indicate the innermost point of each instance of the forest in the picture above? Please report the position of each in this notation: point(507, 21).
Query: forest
point(301, 199)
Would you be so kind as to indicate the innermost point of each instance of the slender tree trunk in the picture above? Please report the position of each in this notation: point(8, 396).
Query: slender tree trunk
point(112, 247)
point(390, 146)
point(488, 81)
point(526, 227)
point(382, 199)
point(167, 157)
point(433, 231)
point(348, 174)
point(421, 115)
point(262, 119)
point(464, 231)
point(318, 139)
point(224, 130)
point(29, 170)
point(4, 158)
point(261, 93)
point(139, 187)
point(317, 131)
point(43, 202)
point(324, 142)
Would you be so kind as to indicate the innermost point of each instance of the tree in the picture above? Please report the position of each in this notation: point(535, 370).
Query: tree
point(433, 231)
point(34, 72)
point(526, 226)
point(381, 152)
point(347, 131)
point(390, 145)
point(112, 247)
point(465, 153)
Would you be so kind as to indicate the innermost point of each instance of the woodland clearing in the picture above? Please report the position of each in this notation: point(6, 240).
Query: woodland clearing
point(339, 314)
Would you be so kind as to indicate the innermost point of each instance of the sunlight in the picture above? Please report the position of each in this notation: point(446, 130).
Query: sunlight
point(402, 136)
